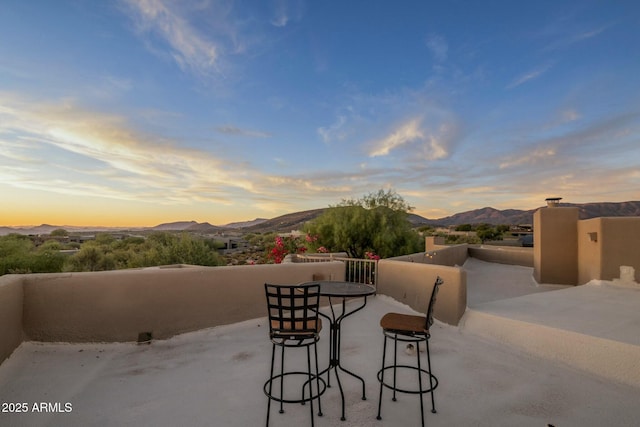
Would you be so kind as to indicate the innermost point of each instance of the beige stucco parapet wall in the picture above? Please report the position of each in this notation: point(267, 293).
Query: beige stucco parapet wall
point(503, 254)
point(115, 306)
point(411, 283)
point(605, 244)
point(11, 301)
point(449, 255)
point(118, 305)
point(573, 252)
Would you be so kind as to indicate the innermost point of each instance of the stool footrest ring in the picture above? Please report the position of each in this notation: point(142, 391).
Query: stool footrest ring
point(398, 367)
point(323, 387)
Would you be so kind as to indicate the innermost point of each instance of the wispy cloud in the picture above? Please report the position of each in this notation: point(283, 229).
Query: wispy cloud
point(570, 115)
point(233, 130)
point(568, 161)
point(405, 133)
point(528, 76)
point(334, 132)
point(285, 11)
point(438, 47)
point(128, 163)
point(567, 40)
point(429, 145)
point(281, 14)
point(190, 49)
point(533, 157)
point(109, 87)
point(589, 34)
point(560, 118)
point(63, 148)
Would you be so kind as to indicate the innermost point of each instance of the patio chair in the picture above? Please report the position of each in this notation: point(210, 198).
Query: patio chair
point(294, 323)
point(414, 330)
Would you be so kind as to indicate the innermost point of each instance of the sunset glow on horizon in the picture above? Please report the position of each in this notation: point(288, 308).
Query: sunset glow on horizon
point(134, 113)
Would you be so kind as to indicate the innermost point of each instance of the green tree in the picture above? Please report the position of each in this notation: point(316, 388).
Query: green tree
point(184, 249)
point(47, 258)
point(486, 232)
point(18, 254)
point(162, 248)
point(378, 222)
point(15, 250)
point(503, 228)
point(90, 257)
point(427, 230)
point(453, 239)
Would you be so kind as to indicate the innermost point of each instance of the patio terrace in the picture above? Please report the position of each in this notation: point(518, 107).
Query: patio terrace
point(514, 359)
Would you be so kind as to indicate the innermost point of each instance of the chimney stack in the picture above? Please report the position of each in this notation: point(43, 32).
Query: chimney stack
point(553, 202)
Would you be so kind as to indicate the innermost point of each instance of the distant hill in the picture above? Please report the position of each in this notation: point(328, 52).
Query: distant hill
point(204, 227)
point(594, 210)
point(284, 223)
point(244, 224)
point(190, 226)
point(296, 220)
point(516, 216)
point(487, 215)
point(177, 226)
point(47, 229)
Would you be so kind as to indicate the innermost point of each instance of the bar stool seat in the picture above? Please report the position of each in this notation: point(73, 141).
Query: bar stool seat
point(403, 324)
point(411, 329)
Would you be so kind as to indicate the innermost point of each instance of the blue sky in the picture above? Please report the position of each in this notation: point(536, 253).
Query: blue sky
point(141, 112)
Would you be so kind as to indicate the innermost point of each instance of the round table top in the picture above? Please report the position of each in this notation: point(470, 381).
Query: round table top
point(343, 289)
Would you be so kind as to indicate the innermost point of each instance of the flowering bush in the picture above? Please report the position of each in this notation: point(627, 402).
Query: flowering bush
point(286, 245)
point(371, 255)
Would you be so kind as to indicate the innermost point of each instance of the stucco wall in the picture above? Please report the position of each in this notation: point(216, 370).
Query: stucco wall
point(11, 300)
point(589, 250)
point(503, 255)
point(411, 283)
point(620, 246)
point(555, 232)
point(117, 305)
point(605, 244)
point(438, 255)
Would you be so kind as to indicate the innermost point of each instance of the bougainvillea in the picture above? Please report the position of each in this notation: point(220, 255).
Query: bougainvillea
point(284, 246)
point(371, 255)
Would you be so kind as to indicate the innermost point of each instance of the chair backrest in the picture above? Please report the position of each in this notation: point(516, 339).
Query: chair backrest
point(293, 310)
point(432, 302)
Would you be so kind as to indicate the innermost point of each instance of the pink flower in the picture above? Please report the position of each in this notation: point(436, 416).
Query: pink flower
point(371, 255)
point(284, 246)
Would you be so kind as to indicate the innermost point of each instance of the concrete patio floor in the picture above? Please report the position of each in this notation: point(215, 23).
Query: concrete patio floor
point(214, 377)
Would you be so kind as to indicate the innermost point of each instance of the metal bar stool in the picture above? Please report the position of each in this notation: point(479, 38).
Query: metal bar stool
point(294, 323)
point(410, 329)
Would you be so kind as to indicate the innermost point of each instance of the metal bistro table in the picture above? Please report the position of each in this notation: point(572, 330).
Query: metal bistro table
point(342, 290)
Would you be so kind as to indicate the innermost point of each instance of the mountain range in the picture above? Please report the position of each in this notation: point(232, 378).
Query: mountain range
point(485, 215)
point(296, 220)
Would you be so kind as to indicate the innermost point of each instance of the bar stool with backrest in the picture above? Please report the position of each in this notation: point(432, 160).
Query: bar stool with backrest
point(294, 323)
point(414, 330)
